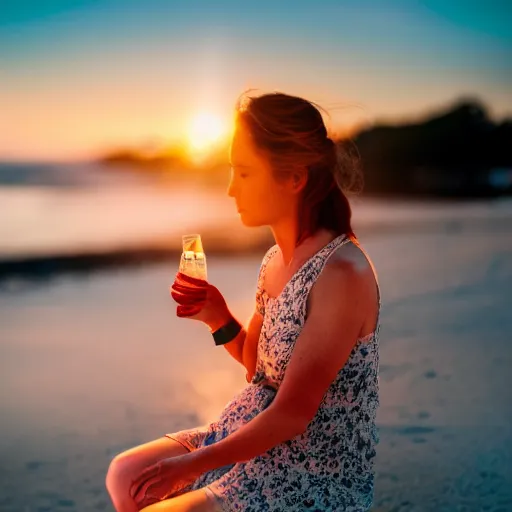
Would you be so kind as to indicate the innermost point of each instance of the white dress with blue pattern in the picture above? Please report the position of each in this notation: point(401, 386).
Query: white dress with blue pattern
point(330, 466)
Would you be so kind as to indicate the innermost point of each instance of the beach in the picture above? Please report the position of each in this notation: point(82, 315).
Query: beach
point(125, 126)
point(94, 363)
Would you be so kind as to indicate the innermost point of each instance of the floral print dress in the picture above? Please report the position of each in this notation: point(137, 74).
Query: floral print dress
point(330, 466)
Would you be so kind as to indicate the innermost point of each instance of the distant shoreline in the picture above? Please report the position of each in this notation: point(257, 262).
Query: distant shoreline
point(222, 242)
point(44, 266)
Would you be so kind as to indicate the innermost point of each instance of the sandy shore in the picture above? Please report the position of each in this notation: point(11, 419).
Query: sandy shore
point(93, 364)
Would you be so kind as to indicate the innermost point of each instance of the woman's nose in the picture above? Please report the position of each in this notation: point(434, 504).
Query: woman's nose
point(231, 189)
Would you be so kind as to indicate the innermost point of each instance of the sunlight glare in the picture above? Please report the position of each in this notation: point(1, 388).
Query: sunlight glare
point(205, 130)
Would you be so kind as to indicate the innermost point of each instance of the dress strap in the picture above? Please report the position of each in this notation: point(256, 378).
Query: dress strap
point(321, 258)
point(260, 303)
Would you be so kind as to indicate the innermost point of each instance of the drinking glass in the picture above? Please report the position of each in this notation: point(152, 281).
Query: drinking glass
point(193, 259)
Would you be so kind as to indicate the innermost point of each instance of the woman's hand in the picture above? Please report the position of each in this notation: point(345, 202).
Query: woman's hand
point(162, 480)
point(199, 300)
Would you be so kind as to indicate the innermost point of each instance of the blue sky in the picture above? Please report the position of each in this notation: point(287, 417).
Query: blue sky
point(77, 77)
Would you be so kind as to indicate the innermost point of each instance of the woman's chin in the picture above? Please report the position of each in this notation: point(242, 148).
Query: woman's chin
point(248, 221)
point(245, 221)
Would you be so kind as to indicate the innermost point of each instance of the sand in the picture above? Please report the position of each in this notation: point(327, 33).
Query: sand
point(91, 365)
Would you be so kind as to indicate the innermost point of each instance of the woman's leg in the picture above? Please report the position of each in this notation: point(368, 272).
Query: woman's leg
point(194, 501)
point(126, 466)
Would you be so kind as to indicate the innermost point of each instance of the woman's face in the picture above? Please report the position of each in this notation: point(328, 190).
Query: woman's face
point(260, 199)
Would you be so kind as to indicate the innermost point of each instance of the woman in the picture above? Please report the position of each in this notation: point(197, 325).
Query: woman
point(301, 435)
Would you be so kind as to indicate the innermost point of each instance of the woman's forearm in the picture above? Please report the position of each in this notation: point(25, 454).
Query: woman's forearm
point(236, 346)
point(268, 429)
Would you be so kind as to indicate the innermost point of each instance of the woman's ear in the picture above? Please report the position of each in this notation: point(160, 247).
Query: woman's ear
point(299, 179)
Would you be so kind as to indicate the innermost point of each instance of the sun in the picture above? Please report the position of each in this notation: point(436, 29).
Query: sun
point(204, 131)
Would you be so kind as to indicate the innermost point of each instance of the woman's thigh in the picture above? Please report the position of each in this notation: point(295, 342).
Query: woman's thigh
point(194, 501)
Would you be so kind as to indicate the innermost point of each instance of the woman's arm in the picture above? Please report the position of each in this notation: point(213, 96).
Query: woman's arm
point(200, 300)
point(250, 347)
point(243, 348)
point(339, 301)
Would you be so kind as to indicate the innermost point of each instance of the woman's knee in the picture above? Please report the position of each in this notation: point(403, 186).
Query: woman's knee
point(121, 471)
point(126, 466)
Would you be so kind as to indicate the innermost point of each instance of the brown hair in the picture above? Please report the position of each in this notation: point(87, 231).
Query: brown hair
point(291, 132)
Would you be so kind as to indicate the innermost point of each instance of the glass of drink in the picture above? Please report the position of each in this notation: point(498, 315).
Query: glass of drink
point(193, 259)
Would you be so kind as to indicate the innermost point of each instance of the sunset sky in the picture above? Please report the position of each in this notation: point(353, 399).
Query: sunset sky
point(79, 77)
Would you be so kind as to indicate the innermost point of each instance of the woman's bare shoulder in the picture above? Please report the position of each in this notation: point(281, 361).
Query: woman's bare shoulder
point(350, 263)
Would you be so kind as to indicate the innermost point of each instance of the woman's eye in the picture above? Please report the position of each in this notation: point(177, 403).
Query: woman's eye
point(240, 174)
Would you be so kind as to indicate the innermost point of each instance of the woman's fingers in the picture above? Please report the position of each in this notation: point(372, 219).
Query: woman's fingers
point(187, 298)
point(144, 480)
point(201, 283)
point(146, 501)
point(190, 293)
point(148, 494)
point(189, 290)
point(187, 311)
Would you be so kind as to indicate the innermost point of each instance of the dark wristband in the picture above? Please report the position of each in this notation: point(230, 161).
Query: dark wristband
point(227, 332)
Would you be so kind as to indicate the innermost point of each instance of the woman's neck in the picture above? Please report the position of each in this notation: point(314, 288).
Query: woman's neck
point(286, 235)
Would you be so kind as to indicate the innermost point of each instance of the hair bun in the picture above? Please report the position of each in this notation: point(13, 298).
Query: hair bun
point(347, 169)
